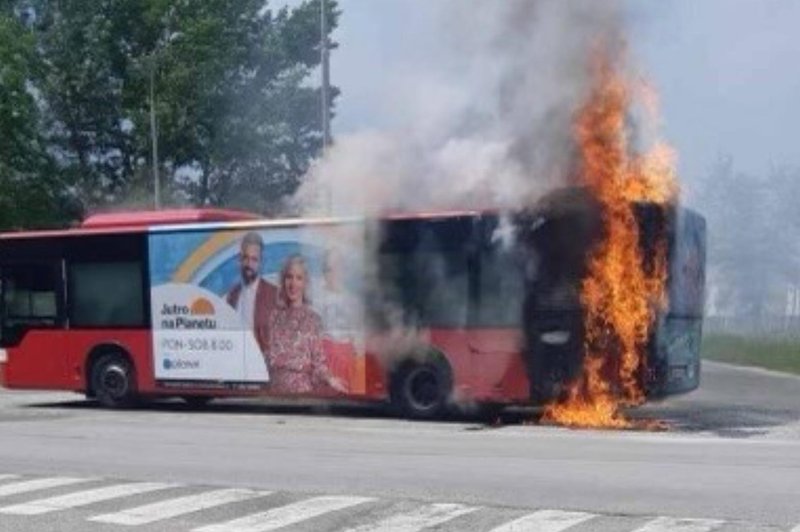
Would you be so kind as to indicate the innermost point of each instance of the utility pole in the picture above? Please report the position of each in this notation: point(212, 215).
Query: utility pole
point(326, 81)
point(154, 136)
point(326, 75)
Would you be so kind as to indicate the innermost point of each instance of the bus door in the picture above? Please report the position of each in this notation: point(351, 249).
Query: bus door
point(495, 332)
point(32, 322)
point(107, 306)
point(675, 353)
point(424, 289)
point(554, 242)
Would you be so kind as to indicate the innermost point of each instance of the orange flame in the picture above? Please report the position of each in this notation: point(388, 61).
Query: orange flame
point(620, 295)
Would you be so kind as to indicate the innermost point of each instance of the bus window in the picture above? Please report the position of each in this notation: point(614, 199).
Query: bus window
point(501, 288)
point(30, 298)
point(442, 288)
point(423, 274)
point(106, 294)
point(430, 288)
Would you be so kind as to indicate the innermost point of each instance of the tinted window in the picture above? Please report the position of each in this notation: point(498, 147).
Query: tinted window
point(423, 273)
point(106, 294)
point(30, 298)
point(502, 288)
point(687, 266)
point(429, 288)
point(30, 294)
point(557, 247)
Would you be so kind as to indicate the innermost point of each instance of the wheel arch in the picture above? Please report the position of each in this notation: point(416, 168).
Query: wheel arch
point(419, 355)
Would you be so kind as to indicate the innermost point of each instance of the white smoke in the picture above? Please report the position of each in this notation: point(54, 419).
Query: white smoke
point(490, 128)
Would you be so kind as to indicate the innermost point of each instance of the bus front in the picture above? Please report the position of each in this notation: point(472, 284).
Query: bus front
point(557, 239)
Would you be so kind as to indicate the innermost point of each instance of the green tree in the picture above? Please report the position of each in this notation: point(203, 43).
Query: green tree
point(85, 58)
point(31, 193)
point(237, 112)
point(234, 102)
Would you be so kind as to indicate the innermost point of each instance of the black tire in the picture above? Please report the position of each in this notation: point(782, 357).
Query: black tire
point(422, 390)
point(196, 401)
point(114, 381)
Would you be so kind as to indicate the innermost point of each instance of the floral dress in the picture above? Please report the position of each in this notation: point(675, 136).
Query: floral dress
point(295, 358)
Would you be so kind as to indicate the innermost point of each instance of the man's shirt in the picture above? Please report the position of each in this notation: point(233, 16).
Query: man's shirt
point(247, 304)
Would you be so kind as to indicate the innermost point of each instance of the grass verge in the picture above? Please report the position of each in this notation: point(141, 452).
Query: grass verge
point(779, 354)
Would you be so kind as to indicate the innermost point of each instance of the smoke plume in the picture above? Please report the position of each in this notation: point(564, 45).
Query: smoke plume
point(491, 128)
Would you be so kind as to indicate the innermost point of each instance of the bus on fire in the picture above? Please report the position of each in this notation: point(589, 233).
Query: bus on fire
point(422, 311)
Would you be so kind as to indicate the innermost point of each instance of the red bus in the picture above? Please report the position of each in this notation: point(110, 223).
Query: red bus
point(423, 311)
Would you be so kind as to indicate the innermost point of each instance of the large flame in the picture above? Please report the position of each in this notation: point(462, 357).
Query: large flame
point(622, 290)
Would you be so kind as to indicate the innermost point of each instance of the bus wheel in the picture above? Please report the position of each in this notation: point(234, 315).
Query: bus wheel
point(196, 401)
point(113, 381)
point(422, 390)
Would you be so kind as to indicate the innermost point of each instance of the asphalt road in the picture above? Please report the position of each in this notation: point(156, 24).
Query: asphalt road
point(730, 462)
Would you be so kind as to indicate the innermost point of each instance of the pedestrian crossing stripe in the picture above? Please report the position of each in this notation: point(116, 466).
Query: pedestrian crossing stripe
point(27, 486)
point(426, 517)
point(545, 521)
point(159, 511)
point(84, 498)
point(286, 515)
point(421, 518)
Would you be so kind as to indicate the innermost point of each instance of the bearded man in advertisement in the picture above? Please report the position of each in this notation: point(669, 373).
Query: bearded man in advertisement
point(253, 297)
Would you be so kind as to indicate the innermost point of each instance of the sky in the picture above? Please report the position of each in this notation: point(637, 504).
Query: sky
point(726, 71)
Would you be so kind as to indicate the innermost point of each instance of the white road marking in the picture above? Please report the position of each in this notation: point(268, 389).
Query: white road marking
point(420, 519)
point(545, 521)
point(158, 511)
point(26, 486)
point(795, 529)
point(83, 498)
point(672, 524)
point(425, 517)
point(286, 515)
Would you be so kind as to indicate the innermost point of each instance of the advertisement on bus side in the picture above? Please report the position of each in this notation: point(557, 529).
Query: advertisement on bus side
point(273, 308)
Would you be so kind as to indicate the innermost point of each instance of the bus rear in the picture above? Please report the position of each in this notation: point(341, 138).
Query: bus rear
point(67, 299)
point(74, 305)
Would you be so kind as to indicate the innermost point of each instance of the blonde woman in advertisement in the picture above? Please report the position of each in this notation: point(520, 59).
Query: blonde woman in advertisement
point(296, 360)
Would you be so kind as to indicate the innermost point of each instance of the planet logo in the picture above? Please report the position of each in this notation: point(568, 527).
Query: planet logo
point(201, 316)
point(202, 307)
point(198, 315)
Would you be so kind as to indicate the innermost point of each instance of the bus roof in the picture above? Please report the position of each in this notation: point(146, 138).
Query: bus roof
point(138, 222)
point(165, 217)
point(183, 219)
